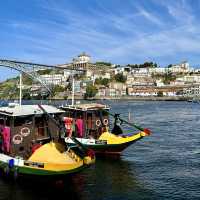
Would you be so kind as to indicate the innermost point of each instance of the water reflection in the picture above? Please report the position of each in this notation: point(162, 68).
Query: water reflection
point(28, 190)
point(162, 166)
point(110, 178)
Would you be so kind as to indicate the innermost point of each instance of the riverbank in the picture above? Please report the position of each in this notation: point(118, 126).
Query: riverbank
point(137, 98)
point(133, 98)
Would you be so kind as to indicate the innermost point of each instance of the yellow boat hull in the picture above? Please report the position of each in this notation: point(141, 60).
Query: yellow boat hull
point(50, 159)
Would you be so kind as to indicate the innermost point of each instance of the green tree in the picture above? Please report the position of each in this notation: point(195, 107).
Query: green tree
point(155, 65)
point(169, 66)
point(100, 81)
point(105, 81)
point(45, 71)
point(56, 89)
point(91, 91)
point(160, 94)
point(120, 78)
point(27, 80)
point(103, 63)
point(168, 77)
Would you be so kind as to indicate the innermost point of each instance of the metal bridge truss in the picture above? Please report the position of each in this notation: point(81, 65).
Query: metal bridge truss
point(31, 69)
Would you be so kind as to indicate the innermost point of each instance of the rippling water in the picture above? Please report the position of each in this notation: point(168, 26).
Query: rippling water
point(165, 165)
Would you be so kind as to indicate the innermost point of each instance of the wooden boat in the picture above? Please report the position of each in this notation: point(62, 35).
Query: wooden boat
point(31, 143)
point(95, 125)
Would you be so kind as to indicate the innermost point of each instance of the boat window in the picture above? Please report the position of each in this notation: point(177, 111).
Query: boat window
point(90, 121)
point(40, 127)
point(2, 121)
point(7, 121)
point(21, 121)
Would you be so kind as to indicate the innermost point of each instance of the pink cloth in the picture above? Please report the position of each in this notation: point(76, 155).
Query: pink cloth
point(79, 124)
point(6, 139)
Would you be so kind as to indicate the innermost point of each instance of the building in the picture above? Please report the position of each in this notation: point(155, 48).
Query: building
point(141, 80)
point(97, 74)
point(180, 68)
point(158, 70)
point(81, 62)
point(193, 91)
point(54, 79)
point(154, 91)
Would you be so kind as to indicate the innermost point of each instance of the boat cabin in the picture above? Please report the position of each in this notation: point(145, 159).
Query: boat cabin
point(24, 127)
point(86, 120)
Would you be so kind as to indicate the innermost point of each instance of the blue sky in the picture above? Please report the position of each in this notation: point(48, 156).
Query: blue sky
point(118, 31)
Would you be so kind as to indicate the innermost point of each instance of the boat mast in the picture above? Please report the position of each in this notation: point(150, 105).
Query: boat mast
point(20, 89)
point(72, 89)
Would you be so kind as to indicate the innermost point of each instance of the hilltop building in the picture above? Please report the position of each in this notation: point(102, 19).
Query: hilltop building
point(183, 67)
point(81, 62)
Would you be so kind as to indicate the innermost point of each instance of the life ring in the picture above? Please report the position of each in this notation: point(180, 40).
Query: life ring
point(25, 131)
point(98, 122)
point(68, 140)
point(105, 122)
point(17, 139)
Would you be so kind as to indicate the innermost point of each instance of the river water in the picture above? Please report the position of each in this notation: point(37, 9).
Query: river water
point(165, 165)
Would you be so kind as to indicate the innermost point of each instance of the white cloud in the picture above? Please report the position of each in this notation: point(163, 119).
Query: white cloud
point(107, 34)
point(150, 16)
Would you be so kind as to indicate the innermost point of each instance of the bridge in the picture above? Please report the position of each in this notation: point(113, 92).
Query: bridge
point(31, 69)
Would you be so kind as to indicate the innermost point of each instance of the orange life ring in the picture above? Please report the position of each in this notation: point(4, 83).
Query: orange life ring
point(98, 122)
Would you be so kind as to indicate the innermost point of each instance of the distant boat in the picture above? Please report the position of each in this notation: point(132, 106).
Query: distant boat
point(194, 100)
point(30, 143)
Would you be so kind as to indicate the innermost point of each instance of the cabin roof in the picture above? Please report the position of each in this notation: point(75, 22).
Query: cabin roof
point(24, 110)
point(85, 107)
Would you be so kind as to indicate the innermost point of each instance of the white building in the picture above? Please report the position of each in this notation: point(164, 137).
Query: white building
point(190, 79)
point(82, 58)
point(54, 79)
point(158, 70)
point(98, 74)
point(82, 61)
point(159, 83)
point(180, 68)
point(140, 71)
point(193, 91)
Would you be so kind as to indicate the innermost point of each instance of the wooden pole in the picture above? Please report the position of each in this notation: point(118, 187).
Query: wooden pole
point(20, 89)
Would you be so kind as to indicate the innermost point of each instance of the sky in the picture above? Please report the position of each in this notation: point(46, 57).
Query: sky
point(117, 31)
